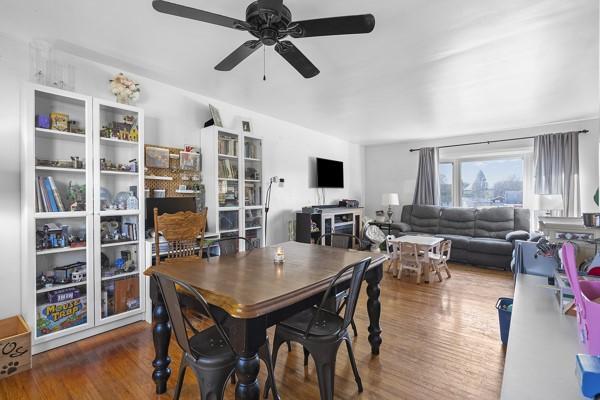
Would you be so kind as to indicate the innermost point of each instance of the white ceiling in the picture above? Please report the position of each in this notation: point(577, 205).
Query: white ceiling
point(433, 68)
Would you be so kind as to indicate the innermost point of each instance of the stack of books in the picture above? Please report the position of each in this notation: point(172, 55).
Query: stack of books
point(47, 196)
point(228, 146)
point(227, 170)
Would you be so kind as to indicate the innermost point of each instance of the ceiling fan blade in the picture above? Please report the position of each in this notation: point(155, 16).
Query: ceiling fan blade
point(333, 26)
point(238, 55)
point(199, 15)
point(297, 60)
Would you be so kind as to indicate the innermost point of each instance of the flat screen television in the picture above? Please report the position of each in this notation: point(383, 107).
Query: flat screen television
point(330, 173)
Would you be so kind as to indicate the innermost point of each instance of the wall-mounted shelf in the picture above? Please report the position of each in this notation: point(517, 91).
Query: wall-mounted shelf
point(158, 178)
point(186, 191)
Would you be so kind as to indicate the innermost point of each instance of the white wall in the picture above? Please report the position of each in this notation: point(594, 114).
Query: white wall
point(173, 117)
point(392, 168)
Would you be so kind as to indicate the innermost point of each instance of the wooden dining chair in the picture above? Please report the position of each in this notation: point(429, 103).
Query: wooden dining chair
point(183, 233)
point(321, 332)
point(439, 258)
point(392, 253)
point(209, 352)
point(228, 245)
point(410, 259)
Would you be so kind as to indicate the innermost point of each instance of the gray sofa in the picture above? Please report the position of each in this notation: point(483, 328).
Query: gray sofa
point(479, 236)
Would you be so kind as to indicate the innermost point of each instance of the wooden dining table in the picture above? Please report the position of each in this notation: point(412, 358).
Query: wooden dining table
point(255, 293)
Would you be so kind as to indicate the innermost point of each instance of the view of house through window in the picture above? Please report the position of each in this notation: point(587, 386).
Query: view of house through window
point(446, 171)
point(483, 183)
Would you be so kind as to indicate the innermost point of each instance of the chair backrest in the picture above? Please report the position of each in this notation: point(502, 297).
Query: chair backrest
point(229, 245)
point(446, 248)
point(409, 253)
point(389, 246)
point(168, 287)
point(358, 271)
point(341, 240)
point(183, 231)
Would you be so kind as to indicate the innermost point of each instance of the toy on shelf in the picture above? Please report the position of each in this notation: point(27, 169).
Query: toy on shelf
point(64, 274)
point(124, 264)
point(114, 230)
point(53, 235)
point(76, 195)
point(59, 121)
point(74, 163)
point(126, 130)
point(108, 165)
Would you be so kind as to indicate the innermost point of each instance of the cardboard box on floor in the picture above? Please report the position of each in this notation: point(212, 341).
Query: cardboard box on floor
point(15, 346)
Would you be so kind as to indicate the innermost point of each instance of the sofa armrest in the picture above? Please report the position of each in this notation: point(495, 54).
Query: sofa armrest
point(517, 235)
point(401, 226)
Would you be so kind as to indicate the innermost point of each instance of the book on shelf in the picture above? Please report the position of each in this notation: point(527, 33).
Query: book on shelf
point(228, 146)
point(227, 169)
point(251, 150)
point(47, 195)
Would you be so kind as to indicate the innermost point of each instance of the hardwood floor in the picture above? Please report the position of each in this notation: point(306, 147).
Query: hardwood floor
point(440, 341)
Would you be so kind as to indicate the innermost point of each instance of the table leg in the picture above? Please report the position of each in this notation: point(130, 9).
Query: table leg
point(374, 307)
point(426, 261)
point(161, 332)
point(246, 371)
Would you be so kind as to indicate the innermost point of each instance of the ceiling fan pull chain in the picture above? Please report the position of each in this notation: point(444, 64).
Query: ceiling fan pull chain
point(264, 63)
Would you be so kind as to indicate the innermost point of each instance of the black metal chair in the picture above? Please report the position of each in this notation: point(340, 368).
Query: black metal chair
point(321, 332)
point(208, 352)
point(228, 245)
point(344, 241)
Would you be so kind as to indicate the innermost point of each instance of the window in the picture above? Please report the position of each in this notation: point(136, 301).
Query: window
point(446, 171)
point(491, 182)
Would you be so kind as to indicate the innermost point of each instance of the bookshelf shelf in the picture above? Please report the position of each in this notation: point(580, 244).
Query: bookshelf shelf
point(58, 287)
point(113, 142)
point(60, 250)
point(114, 213)
point(123, 243)
point(104, 172)
point(65, 214)
point(57, 169)
point(56, 134)
point(118, 276)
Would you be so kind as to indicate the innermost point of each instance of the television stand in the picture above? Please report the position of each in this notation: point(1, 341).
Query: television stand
point(332, 219)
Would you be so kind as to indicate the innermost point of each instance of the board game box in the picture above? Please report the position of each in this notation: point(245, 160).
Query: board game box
point(53, 317)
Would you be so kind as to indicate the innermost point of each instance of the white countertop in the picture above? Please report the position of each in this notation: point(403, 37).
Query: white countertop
point(542, 344)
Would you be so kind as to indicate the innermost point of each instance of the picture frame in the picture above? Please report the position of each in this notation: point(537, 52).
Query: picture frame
point(157, 157)
point(246, 126)
point(189, 161)
point(216, 116)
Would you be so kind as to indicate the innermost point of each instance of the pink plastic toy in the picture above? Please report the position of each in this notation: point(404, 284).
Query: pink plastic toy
point(588, 312)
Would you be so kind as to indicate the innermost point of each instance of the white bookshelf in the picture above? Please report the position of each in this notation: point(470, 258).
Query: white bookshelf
point(234, 183)
point(52, 144)
point(109, 293)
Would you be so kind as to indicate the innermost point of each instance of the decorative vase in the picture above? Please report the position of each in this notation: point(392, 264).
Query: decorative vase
point(122, 99)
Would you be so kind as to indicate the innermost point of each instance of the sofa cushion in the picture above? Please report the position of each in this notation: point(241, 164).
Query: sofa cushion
point(494, 222)
point(457, 221)
point(425, 219)
point(522, 219)
point(490, 246)
point(458, 241)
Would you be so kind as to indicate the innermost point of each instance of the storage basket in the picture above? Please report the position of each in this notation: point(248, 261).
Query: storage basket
point(504, 315)
point(15, 346)
point(588, 312)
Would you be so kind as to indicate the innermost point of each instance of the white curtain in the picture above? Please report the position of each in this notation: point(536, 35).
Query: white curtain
point(556, 168)
point(427, 189)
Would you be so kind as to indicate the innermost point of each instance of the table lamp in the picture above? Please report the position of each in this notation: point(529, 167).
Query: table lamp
point(390, 199)
point(549, 203)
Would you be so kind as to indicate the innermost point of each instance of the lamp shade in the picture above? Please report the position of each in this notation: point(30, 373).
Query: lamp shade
point(390, 199)
point(549, 202)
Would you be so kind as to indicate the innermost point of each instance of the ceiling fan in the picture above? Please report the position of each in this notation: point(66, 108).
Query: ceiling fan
point(270, 21)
